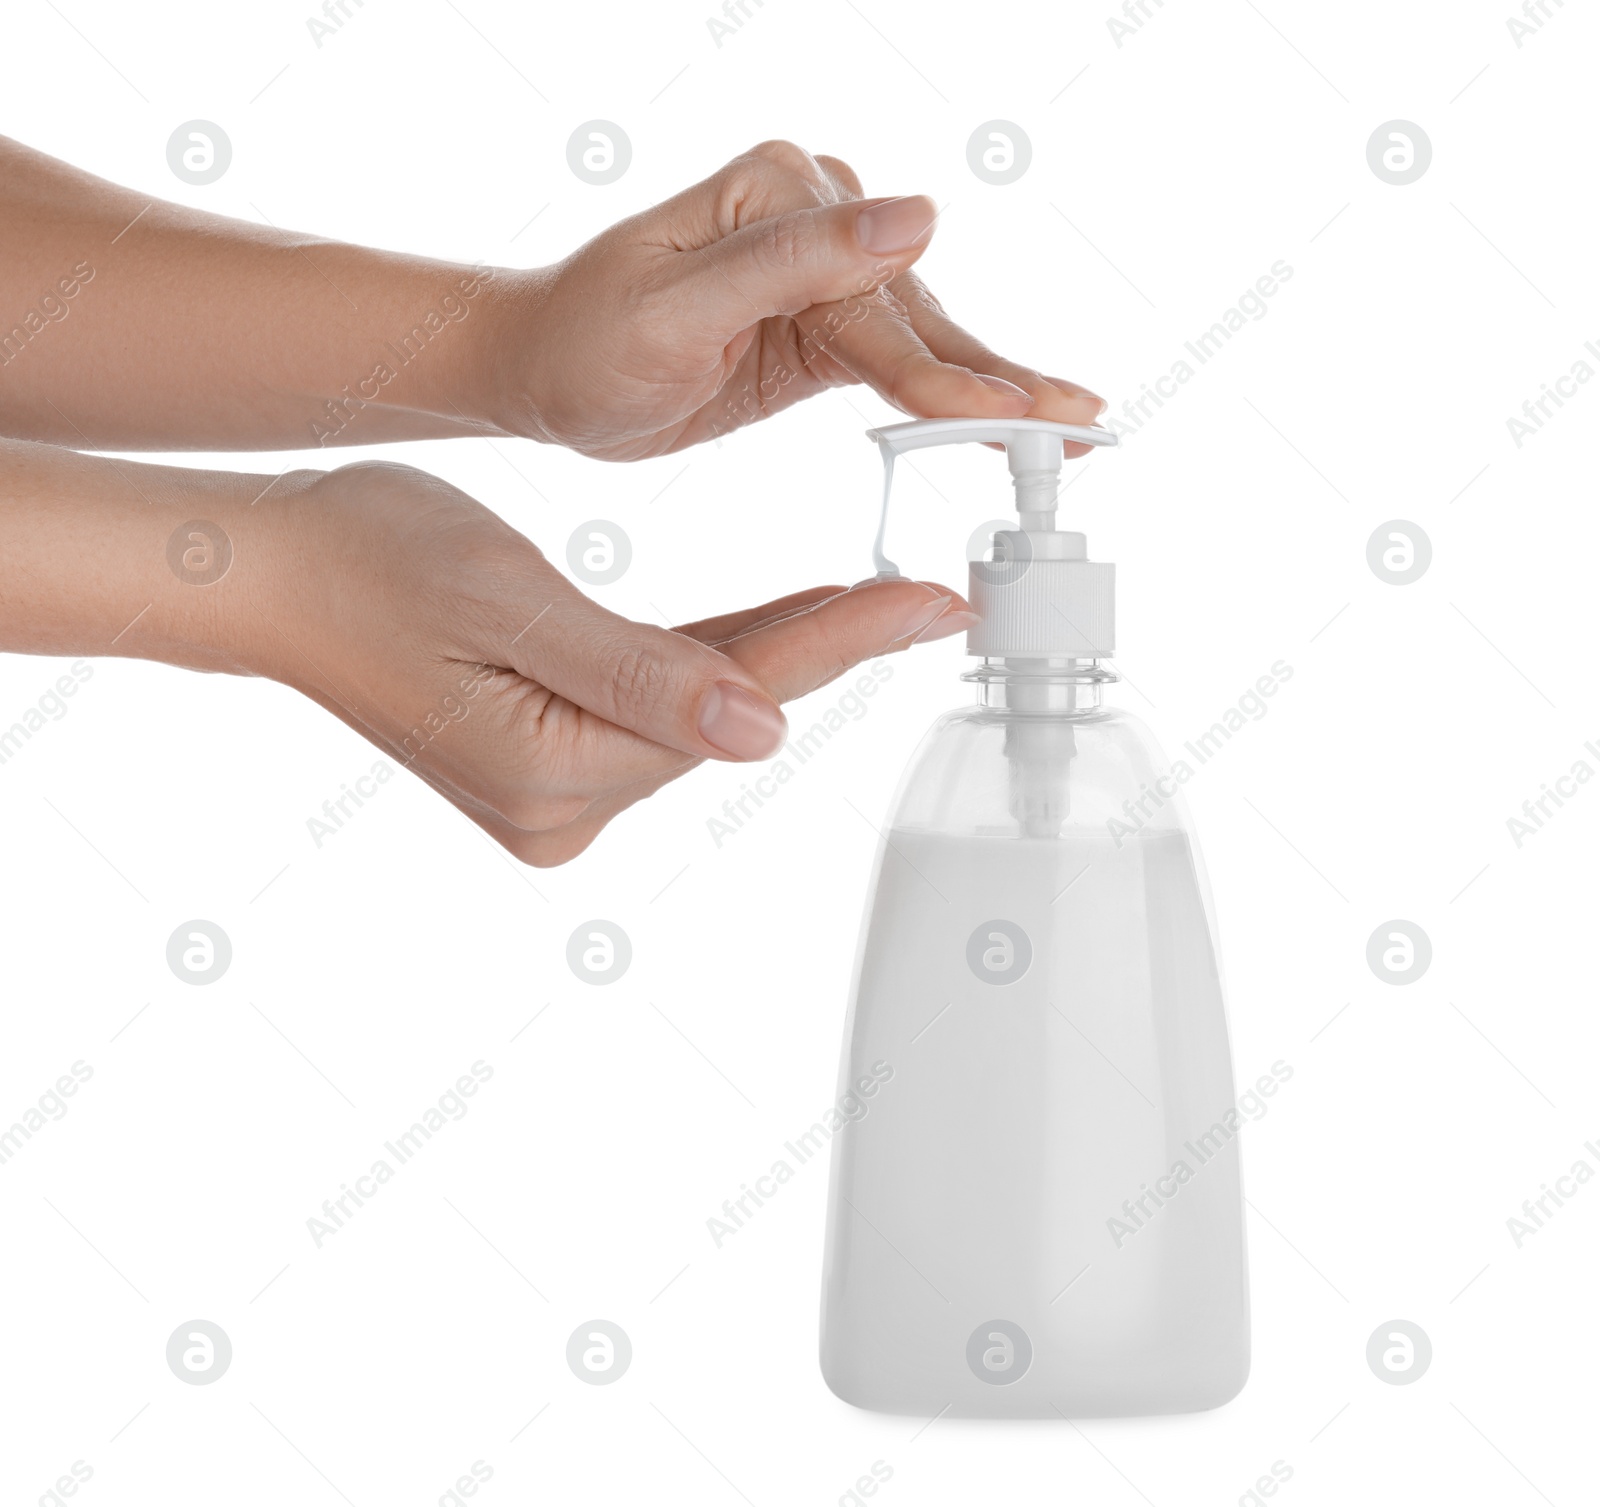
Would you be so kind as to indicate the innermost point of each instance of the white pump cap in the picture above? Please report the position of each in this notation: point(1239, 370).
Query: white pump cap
point(1041, 597)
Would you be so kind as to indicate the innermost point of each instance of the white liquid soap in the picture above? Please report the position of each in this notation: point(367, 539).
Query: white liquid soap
point(1042, 1216)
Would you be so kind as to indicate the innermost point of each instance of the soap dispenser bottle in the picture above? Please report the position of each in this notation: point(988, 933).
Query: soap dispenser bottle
point(1038, 1214)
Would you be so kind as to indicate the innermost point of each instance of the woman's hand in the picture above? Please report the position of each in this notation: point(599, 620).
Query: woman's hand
point(768, 282)
point(425, 622)
point(447, 639)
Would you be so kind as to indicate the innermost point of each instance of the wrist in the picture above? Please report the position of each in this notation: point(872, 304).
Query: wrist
point(505, 380)
point(228, 555)
point(435, 344)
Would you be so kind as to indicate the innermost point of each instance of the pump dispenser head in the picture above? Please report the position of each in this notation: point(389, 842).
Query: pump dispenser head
point(1040, 596)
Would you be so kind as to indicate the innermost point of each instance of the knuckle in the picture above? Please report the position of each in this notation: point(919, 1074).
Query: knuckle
point(843, 175)
point(771, 176)
point(916, 294)
point(789, 240)
point(638, 680)
point(838, 650)
point(888, 301)
point(790, 158)
point(909, 371)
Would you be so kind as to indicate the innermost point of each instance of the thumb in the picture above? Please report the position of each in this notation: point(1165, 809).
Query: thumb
point(663, 685)
point(806, 256)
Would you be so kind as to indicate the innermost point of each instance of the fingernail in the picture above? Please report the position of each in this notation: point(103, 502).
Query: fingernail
point(1073, 388)
point(944, 627)
point(918, 618)
point(896, 224)
point(999, 384)
point(741, 725)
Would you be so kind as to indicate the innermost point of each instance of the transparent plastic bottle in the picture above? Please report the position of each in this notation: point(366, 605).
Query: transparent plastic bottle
point(1039, 1214)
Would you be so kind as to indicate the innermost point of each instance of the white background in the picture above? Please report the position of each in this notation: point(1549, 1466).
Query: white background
point(1167, 175)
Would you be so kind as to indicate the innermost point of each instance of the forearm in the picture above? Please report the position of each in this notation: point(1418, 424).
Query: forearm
point(130, 323)
point(100, 556)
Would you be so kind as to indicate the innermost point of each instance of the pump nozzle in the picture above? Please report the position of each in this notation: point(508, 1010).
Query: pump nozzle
point(1033, 451)
point(1048, 600)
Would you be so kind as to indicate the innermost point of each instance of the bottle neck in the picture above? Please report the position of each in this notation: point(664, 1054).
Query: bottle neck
point(1047, 687)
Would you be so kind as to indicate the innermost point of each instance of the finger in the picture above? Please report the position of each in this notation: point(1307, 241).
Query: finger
point(538, 760)
point(879, 346)
point(570, 751)
point(534, 761)
point(799, 653)
point(667, 687)
point(786, 365)
point(575, 752)
point(713, 630)
point(1051, 398)
point(769, 179)
point(842, 177)
point(803, 257)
